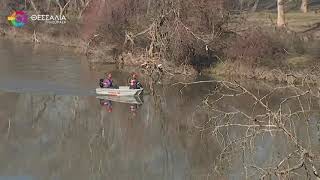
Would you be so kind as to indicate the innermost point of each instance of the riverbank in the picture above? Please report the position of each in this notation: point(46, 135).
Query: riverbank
point(293, 72)
point(296, 63)
point(44, 34)
point(295, 69)
point(102, 55)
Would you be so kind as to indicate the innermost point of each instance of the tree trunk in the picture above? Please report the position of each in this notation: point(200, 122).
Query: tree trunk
point(241, 4)
point(148, 7)
point(34, 6)
point(304, 6)
point(281, 18)
point(83, 8)
point(255, 6)
point(48, 5)
point(62, 8)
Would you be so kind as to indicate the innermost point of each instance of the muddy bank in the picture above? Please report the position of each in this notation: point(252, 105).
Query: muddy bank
point(290, 68)
point(97, 53)
point(295, 70)
point(52, 35)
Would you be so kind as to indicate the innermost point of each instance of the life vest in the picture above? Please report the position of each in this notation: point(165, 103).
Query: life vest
point(108, 83)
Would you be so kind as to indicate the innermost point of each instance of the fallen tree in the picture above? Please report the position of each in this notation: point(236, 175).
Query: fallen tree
point(281, 114)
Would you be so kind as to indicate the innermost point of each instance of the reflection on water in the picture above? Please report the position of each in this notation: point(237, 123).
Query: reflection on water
point(53, 127)
point(24, 68)
point(79, 137)
point(122, 99)
point(72, 137)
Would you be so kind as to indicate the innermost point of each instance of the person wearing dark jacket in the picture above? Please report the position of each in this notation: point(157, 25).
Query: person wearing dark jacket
point(134, 83)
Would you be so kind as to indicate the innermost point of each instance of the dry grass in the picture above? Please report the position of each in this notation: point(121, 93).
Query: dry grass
point(27, 36)
point(296, 21)
point(297, 65)
point(300, 61)
point(307, 74)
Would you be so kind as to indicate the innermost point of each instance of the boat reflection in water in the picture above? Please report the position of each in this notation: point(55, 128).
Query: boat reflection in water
point(107, 104)
point(134, 101)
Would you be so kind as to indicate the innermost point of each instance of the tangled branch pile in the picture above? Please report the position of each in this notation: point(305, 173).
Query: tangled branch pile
point(172, 31)
point(272, 134)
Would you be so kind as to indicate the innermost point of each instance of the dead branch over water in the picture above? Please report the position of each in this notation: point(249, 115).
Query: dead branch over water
point(278, 113)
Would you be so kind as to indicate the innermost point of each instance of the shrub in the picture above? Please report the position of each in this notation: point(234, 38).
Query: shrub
point(255, 45)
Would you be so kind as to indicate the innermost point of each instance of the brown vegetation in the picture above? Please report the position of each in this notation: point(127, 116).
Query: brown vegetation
point(176, 32)
point(168, 33)
point(254, 46)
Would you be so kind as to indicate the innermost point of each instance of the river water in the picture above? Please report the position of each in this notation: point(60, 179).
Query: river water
point(54, 127)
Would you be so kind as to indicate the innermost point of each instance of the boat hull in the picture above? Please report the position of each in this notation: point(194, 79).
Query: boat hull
point(122, 91)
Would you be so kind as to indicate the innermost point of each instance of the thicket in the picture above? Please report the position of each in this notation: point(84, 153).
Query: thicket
point(256, 46)
point(196, 32)
point(177, 31)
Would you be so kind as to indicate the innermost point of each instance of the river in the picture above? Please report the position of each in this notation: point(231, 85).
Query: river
point(53, 126)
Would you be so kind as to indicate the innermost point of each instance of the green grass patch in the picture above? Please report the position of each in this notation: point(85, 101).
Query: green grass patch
point(300, 61)
point(296, 21)
point(217, 69)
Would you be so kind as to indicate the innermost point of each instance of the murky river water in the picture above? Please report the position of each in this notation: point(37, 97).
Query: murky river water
point(53, 127)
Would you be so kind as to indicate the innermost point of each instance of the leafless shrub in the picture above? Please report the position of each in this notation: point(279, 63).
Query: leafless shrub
point(271, 114)
point(179, 31)
point(253, 46)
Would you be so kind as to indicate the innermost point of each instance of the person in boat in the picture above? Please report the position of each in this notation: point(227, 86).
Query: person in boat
point(107, 82)
point(134, 83)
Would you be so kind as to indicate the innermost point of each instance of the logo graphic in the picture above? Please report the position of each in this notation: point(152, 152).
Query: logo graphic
point(18, 18)
point(50, 19)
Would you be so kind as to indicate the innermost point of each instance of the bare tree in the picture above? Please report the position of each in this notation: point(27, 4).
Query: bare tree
point(281, 17)
point(304, 6)
point(62, 8)
point(84, 5)
point(34, 6)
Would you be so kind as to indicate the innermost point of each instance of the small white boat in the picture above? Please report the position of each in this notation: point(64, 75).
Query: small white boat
point(122, 91)
point(122, 99)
